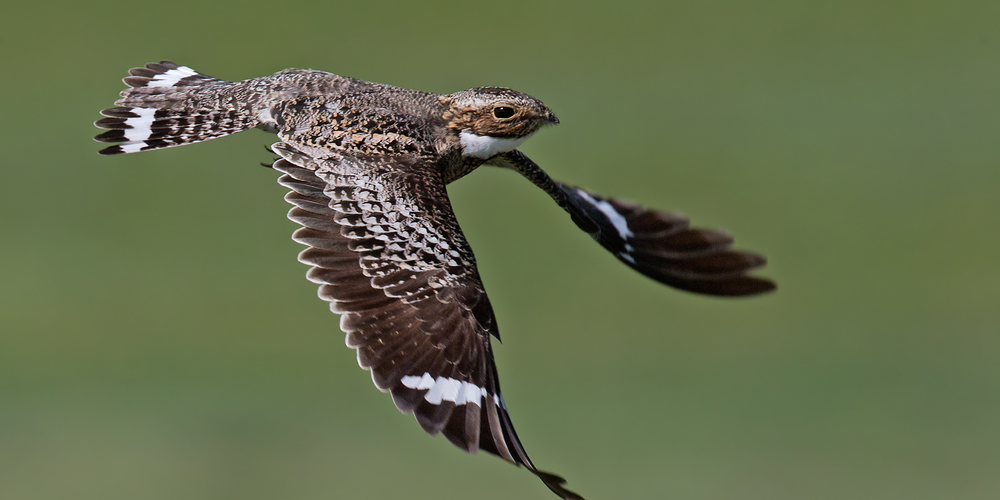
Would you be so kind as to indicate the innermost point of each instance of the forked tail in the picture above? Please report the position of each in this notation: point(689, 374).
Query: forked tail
point(170, 105)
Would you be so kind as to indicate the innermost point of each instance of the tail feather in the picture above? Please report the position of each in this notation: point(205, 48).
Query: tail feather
point(169, 105)
point(167, 74)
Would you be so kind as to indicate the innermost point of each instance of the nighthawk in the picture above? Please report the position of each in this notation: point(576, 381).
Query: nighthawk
point(367, 165)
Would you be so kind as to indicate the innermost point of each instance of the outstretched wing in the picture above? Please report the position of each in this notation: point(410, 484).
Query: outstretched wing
point(389, 256)
point(660, 245)
point(663, 246)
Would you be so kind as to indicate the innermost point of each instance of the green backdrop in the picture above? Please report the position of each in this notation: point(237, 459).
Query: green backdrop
point(158, 339)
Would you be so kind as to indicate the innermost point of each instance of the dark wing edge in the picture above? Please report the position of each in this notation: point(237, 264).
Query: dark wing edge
point(663, 246)
point(423, 334)
point(658, 244)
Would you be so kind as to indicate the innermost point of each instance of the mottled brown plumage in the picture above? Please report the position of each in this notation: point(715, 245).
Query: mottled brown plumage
point(367, 166)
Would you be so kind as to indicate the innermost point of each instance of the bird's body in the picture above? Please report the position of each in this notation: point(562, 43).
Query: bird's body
point(367, 165)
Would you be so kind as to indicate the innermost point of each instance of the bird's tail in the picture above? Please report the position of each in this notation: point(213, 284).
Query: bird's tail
point(168, 105)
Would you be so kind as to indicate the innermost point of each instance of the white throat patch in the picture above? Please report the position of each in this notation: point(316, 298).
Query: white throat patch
point(484, 146)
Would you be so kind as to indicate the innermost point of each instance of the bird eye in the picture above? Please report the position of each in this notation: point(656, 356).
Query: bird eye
point(502, 112)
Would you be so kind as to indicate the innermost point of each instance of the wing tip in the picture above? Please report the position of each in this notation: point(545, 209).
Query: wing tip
point(556, 484)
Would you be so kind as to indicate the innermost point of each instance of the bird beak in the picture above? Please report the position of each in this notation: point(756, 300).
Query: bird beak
point(552, 118)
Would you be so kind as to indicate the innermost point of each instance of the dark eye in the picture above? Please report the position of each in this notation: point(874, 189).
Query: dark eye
point(503, 112)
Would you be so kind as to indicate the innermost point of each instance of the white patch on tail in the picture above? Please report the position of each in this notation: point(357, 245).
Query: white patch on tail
point(171, 77)
point(141, 125)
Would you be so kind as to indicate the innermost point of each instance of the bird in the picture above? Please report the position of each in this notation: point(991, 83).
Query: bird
point(367, 167)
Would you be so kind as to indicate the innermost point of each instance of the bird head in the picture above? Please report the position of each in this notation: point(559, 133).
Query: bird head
point(492, 120)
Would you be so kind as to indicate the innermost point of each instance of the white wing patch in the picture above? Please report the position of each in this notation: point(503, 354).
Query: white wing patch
point(484, 146)
point(171, 77)
point(617, 220)
point(418, 382)
point(447, 389)
point(621, 225)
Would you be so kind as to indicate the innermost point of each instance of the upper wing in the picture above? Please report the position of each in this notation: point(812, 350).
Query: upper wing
point(389, 255)
point(658, 244)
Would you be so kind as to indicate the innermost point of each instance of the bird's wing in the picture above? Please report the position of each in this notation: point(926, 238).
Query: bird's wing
point(660, 245)
point(389, 256)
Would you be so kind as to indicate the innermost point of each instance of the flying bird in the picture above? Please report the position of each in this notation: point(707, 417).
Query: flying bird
point(367, 166)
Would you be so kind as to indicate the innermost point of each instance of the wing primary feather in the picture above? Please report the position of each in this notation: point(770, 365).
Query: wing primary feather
point(395, 264)
point(658, 244)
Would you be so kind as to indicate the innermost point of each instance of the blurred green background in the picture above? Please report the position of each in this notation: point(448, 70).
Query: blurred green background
point(158, 339)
